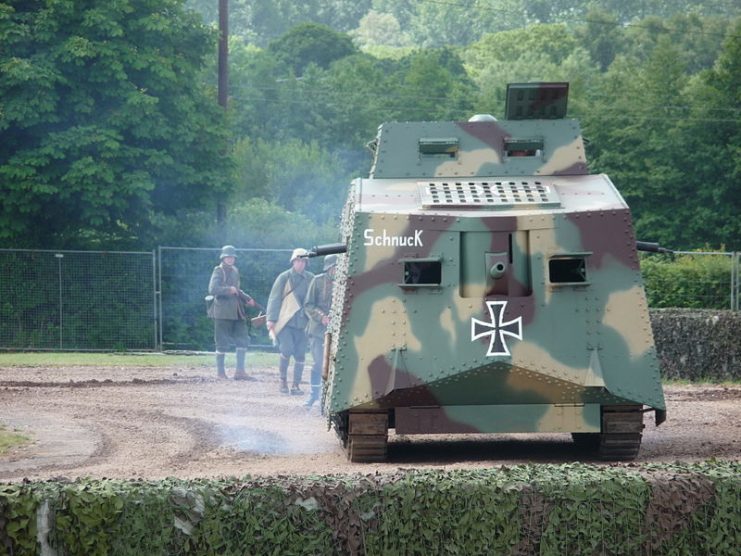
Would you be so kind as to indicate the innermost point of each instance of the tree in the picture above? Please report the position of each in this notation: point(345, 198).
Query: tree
point(311, 43)
point(438, 24)
point(710, 138)
point(640, 134)
point(262, 21)
point(434, 86)
point(697, 39)
point(553, 11)
point(602, 37)
point(302, 178)
point(553, 41)
point(265, 224)
point(378, 28)
point(104, 120)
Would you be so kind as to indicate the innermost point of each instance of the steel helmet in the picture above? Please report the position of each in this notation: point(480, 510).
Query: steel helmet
point(228, 251)
point(330, 261)
point(299, 252)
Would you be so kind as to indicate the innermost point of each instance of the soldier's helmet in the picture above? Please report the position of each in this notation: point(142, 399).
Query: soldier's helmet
point(330, 261)
point(299, 252)
point(228, 251)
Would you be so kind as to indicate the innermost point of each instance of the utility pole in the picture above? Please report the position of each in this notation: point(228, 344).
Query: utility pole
point(223, 52)
point(223, 94)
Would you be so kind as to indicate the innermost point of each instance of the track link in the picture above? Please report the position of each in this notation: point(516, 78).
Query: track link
point(367, 436)
point(620, 439)
point(622, 430)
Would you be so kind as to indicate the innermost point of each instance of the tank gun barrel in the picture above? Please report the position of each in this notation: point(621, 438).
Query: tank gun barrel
point(327, 249)
point(651, 247)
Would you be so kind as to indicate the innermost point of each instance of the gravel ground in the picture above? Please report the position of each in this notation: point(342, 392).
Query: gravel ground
point(130, 422)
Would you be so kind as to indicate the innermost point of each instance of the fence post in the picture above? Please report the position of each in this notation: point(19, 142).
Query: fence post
point(158, 296)
point(59, 257)
point(154, 298)
point(735, 280)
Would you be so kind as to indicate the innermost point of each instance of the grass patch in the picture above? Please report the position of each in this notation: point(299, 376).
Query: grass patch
point(9, 439)
point(68, 359)
point(700, 382)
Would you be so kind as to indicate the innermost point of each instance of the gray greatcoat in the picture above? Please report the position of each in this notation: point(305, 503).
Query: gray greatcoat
point(299, 286)
point(226, 305)
point(318, 303)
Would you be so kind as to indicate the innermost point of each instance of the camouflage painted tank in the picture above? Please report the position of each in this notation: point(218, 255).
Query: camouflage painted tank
point(490, 285)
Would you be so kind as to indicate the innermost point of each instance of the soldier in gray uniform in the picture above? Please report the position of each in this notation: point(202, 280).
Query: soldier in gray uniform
point(286, 319)
point(317, 307)
point(228, 312)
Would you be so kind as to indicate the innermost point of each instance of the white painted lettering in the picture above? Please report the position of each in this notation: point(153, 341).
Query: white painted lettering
point(385, 240)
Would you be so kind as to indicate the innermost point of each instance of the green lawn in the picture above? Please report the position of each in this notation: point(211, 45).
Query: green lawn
point(49, 359)
point(8, 439)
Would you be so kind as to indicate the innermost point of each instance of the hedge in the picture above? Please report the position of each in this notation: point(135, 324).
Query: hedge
point(525, 509)
point(691, 281)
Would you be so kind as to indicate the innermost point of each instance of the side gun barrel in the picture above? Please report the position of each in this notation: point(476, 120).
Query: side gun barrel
point(651, 247)
point(327, 249)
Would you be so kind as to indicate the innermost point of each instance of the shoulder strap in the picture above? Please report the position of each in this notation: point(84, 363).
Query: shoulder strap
point(289, 287)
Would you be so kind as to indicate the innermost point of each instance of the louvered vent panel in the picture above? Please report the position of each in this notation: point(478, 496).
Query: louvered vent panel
point(489, 194)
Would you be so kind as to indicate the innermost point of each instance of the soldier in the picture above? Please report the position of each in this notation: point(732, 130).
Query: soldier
point(286, 319)
point(230, 320)
point(317, 306)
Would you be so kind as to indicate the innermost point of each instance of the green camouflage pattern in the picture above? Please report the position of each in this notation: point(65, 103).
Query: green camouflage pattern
point(490, 284)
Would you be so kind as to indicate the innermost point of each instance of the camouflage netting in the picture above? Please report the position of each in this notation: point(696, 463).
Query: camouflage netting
point(695, 344)
point(527, 509)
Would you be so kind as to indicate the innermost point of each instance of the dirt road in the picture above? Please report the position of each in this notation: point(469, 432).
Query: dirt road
point(124, 422)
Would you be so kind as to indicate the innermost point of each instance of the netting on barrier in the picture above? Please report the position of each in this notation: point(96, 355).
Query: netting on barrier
point(184, 277)
point(77, 300)
point(104, 300)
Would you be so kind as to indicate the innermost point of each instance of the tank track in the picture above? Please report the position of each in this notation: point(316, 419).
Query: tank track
point(367, 438)
point(620, 439)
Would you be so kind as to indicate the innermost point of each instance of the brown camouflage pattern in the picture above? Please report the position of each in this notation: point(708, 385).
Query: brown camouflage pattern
point(531, 315)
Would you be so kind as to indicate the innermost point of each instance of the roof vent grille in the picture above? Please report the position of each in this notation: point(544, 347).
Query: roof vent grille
point(489, 194)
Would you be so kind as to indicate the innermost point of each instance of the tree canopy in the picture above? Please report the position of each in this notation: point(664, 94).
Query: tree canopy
point(110, 131)
point(104, 119)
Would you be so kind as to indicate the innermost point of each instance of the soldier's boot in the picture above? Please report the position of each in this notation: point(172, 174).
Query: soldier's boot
point(283, 368)
point(298, 370)
point(240, 374)
point(220, 370)
point(314, 396)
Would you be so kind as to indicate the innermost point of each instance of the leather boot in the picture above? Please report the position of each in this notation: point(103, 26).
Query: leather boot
point(240, 374)
point(220, 370)
point(283, 370)
point(314, 396)
point(298, 370)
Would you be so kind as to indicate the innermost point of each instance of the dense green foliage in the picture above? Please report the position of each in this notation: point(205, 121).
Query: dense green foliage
point(544, 509)
point(79, 300)
point(110, 134)
point(687, 281)
point(104, 120)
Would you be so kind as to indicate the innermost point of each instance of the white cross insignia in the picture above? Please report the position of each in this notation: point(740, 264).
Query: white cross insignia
point(497, 329)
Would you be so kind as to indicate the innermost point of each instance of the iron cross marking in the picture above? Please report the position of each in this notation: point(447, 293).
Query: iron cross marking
point(497, 329)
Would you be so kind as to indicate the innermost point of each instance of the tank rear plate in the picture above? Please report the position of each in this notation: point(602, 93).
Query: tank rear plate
point(509, 418)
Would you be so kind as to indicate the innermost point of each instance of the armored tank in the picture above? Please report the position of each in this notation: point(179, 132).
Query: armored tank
point(490, 285)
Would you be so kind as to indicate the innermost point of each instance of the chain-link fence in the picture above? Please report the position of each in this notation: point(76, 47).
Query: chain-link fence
point(184, 276)
point(77, 300)
point(99, 300)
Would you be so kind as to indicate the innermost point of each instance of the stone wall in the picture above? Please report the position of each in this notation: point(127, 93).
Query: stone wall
point(698, 344)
